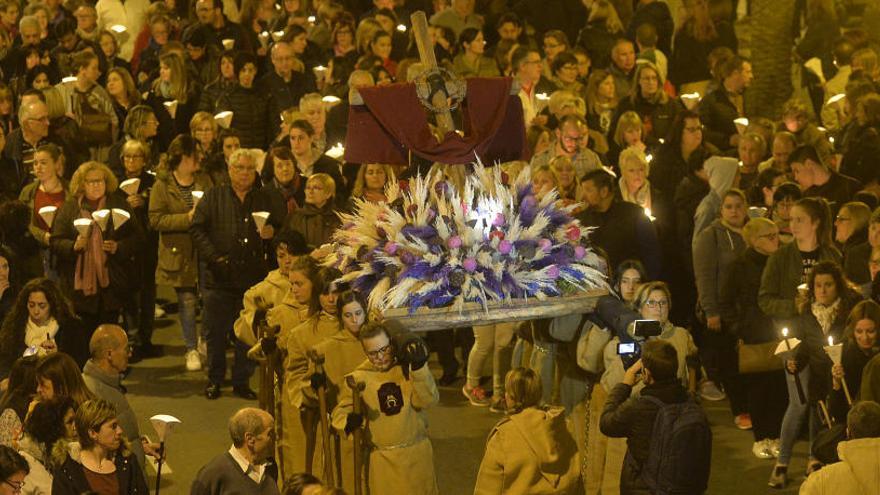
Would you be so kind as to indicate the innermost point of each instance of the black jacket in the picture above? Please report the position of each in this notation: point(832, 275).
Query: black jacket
point(598, 42)
point(227, 240)
point(634, 420)
point(839, 190)
point(250, 117)
point(171, 127)
point(717, 113)
point(69, 479)
point(284, 94)
point(315, 224)
point(739, 300)
point(855, 263)
point(123, 266)
point(625, 232)
point(71, 339)
point(656, 118)
point(689, 61)
point(860, 156)
point(656, 13)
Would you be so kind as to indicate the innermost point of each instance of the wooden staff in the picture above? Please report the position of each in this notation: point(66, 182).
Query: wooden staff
point(445, 123)
point(357, 434)
point(825, 413)
point(797, 377)
point(322, 411)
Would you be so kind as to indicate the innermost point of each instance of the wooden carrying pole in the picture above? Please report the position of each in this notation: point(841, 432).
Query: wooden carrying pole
point(357, 434)
point(318, 359)
point(429, 61)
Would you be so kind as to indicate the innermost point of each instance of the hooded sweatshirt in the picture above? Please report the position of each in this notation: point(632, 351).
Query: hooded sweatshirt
point(530, 452)
point(855, 474)
point(722, 174)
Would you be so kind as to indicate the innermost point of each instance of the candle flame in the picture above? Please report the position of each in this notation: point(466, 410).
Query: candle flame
point(830, 340)
point(785, 332)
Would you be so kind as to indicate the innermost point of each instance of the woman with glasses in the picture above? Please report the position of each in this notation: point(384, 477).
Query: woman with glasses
point(606, 455)
point(565, 73)
point(851, 229)
point(105, 463)
point(748, 324)
point(98, 265)
point(141, 125)
point(140, 310)
point(13, 471)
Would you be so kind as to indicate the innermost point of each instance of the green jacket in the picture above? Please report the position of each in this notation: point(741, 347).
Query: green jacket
point(781, 277)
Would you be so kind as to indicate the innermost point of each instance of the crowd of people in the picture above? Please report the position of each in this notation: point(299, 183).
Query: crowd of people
point(192, 145)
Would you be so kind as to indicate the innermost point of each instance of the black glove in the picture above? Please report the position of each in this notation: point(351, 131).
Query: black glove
point(416, 352)
point(221, 268)
point(269, 345)
point(352, 422)
point(318, 380)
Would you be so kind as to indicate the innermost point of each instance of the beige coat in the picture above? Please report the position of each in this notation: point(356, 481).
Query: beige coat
point(530, 452)
point(168, 214)
point(343, 354)
point(855, 474)
point(401, 458)
point(302, 414)
point(273, 290)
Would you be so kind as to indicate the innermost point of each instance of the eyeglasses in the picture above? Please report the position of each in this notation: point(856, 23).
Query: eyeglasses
point(94, 182)
point(17, 486)
point(379, 352)
point(656, 304)
point(694, 129)
point(772, 236)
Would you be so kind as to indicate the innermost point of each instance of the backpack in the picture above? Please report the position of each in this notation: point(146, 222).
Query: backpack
point(680, 453)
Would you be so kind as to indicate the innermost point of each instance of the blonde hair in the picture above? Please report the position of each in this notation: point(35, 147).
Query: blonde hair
point(596, 80)
point(627, 122)
point(564, 98)
point(309, 100)
point(78, 182)
point(357, 189)
point(567, 192)
point(523, 389)
point(660, 97)
point(179, 77)
point(326, 181)
point(545, 169)
point(140, 145)
point(633, 155)
point(202, 118)
point(754, 227)
point(363, 36)
point(860, 213)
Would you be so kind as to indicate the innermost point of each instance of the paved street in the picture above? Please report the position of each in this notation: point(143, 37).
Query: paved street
point(458, 431)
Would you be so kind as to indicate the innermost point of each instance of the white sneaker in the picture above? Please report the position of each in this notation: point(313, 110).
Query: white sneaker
point(158, 312)
point(710, 391)
point(762, 449)
point(193, 361)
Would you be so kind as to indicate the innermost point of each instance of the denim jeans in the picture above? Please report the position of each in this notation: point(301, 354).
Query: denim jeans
point(496, 341)
point(187, 300)
point(221, 309)
point(795, 415)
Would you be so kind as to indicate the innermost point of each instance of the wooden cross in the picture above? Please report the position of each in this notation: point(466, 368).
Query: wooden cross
point(439, 99)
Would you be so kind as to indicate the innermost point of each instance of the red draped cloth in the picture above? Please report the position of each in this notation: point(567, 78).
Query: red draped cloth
point(393, 121)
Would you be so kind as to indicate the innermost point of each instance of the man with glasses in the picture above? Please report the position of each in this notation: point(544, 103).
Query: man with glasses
point(571, 141)
point(215, 25)
point(284, 86)
point(23, 142)
point(235, 256)
point(396, 390)
point(13, 470)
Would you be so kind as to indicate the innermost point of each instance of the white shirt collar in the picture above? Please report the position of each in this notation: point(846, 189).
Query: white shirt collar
point(252, 471)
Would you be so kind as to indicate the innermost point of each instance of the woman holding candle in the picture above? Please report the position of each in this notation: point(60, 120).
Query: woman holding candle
point(48, 190)
point(823, 315)
point(316, 220)
point(98, 267)
point(859, 347)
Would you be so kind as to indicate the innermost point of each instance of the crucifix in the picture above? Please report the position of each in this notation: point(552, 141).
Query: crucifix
point(439, 95)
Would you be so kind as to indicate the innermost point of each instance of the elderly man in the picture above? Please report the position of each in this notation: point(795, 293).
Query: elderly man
point(130, 13)
point(526, 64)
point(284, 86)
point(246, 468)
point(233, 252)
point(570, 141)
point(623, 66)
point(22, 143)
point(109, 359)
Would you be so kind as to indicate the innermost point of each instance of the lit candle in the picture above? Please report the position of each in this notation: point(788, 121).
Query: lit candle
point(785, 332)
point(830, 340)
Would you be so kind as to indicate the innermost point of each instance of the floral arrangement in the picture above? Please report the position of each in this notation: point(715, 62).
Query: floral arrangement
point(436, 245)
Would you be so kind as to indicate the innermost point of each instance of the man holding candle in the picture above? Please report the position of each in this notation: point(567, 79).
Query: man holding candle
point(284, 85)
point(234, 257)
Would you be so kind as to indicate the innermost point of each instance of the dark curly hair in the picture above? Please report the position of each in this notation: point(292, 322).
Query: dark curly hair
point(22, 386)
point(45, 423)
point(14, 324)
point(846, 291)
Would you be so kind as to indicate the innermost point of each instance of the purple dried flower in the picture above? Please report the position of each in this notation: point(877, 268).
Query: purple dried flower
point(470, 264)
point(454, 242)
point(553, 272)
point(407, 258)
point(579, 252)
point(504, 247)
point(498, 221)
point(546, 245)
point(390, 248)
